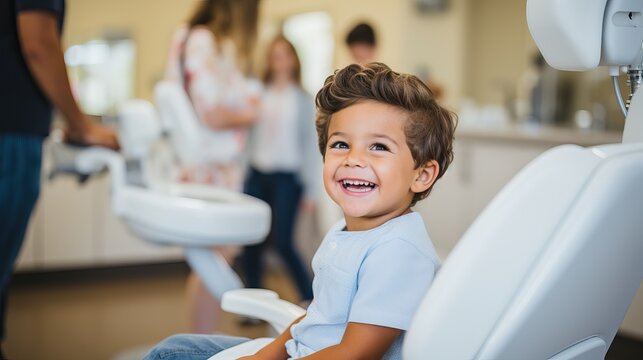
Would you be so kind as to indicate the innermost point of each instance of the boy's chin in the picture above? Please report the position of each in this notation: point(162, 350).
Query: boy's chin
point(356, 211)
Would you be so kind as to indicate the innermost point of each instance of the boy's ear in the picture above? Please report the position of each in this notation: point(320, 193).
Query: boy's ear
point(425, 176)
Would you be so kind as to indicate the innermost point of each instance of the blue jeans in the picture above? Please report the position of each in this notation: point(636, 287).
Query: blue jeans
point(20, 159)
point(282, 191)
point(192, 347)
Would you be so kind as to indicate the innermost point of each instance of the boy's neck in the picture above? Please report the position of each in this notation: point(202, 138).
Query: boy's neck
point(368, 222)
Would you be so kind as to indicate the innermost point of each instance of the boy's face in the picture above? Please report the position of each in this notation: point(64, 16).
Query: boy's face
point(368, 167)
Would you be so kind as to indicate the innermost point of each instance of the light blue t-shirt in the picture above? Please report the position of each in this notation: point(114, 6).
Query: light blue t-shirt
point(377, 277)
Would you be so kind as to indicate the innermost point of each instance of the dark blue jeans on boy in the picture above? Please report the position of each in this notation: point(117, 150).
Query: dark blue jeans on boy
point(192, 347)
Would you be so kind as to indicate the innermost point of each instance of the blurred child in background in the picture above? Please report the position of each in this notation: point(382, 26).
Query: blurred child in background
point(284, 162)
point(362, 43)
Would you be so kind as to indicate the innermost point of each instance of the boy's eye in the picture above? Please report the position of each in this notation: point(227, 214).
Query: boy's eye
point(379, 147)
point(339, 145)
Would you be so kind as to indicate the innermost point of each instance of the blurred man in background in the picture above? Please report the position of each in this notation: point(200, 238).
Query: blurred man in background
point(33, 81)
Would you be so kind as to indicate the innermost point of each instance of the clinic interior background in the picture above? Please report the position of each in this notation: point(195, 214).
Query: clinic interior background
point(479, 53)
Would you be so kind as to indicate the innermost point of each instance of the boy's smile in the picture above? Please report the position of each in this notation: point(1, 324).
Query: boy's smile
point(368, 167)
point(357, 187)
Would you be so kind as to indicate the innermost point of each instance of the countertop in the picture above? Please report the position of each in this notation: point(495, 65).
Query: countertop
point(537, 135)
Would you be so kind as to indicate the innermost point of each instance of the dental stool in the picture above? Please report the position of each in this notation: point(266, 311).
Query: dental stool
point(157, 209)
point(547, 271)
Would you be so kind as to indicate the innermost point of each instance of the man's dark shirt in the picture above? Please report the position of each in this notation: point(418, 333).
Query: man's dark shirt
point(24, 109)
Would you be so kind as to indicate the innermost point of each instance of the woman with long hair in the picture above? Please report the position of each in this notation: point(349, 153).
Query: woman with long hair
point(211, 59)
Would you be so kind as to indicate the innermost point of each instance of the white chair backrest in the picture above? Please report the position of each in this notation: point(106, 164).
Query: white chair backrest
point(178, 116)
point(138, 127)
point(548, 269)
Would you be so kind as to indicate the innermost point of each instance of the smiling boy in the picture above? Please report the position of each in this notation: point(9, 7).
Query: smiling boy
point(385, 141)
point(368, 168)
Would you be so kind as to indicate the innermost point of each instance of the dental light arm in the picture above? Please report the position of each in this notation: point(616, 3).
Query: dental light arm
point(578, 35)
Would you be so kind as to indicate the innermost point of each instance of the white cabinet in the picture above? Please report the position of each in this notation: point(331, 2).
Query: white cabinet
point(68, 227)
point(30, 251)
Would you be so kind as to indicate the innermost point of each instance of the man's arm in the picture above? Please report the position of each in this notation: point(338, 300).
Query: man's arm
point(41, 48)
point(360, 341)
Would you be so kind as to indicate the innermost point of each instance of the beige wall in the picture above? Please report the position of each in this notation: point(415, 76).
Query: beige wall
point(408, 40)
point(149, 22)
point(385, 15)
point(437, 42)
point(500, 48)
point(474, 48)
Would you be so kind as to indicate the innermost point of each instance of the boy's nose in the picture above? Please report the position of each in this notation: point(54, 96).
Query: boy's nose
point(354, 158)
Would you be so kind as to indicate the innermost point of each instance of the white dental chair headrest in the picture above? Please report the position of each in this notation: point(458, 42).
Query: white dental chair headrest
point(139, 127)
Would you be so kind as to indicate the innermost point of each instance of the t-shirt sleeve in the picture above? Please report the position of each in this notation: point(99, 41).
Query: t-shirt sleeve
point(55, 6)
point(391, 283)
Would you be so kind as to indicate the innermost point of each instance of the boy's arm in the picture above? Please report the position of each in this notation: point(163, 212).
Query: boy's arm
point(360, 341)
point(276, 350)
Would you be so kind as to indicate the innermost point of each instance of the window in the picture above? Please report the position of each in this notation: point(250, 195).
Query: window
point(101, 72)
point(311, 34)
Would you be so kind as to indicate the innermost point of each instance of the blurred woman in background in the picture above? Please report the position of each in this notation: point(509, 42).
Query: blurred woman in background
point(211, 58)
point(284, 162)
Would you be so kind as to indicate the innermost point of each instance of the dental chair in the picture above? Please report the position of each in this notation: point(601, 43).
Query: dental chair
point(543, 272)
point(160, 210)
point(549, 268)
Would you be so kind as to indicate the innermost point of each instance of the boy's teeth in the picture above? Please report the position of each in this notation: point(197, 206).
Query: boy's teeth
point(357, 183)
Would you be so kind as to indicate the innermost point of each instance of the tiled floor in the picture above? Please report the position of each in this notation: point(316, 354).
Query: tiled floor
point(118, 313)
point(101, 315)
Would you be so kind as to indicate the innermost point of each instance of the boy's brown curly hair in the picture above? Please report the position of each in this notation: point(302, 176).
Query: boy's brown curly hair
point(429, 127)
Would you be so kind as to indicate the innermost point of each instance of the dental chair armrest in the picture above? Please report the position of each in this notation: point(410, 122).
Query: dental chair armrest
point(94, 159)
point(262, 304)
